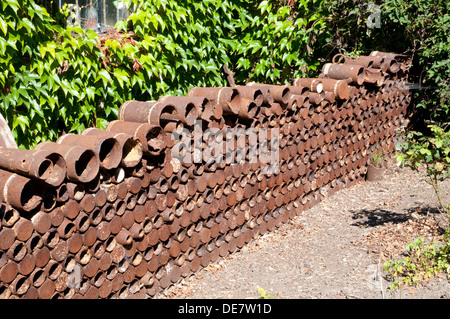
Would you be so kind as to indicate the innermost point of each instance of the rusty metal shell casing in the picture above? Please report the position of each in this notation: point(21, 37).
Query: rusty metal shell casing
point(82, 163)
point(339, 87)
point(227, 98)
point(313, 84)
point(107, 148)
point(248, 109)
point(131, 147)
point(339, 71)
point(394, 62)
point(372, 75)
point(20, 192)
point(45, 165)
point(369, 62)
point(251, 93)
point(280, 93)
point(157, 113)
point(189, 108)
point(152, 137)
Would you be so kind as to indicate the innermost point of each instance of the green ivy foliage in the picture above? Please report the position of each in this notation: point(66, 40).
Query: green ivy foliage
point(55, 80)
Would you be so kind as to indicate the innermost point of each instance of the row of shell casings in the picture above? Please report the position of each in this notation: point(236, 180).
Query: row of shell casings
point(374, 69)
point(208, 104)
point(60, 248)
point(318, 137)
point(385, 93)
point(27, 173)
point(370, 102)
point(144, 111)
point(63, 243)
point(294, 126)
point(328, 115)
point(347, 132)
point(205, 241)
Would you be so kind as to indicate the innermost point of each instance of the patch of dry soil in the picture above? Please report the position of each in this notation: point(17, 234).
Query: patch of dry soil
point(335, 249)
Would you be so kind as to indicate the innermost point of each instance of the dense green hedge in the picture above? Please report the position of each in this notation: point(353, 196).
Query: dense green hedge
point(419, 28)
point(55, 80)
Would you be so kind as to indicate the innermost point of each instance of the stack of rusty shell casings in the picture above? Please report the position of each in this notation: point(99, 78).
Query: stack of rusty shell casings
point(136, 209)
point(25, 174)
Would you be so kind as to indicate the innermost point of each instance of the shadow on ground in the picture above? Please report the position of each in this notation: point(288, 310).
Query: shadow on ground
point(377, 217)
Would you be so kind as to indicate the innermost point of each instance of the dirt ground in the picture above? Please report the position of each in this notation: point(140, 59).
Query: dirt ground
point(334, 250)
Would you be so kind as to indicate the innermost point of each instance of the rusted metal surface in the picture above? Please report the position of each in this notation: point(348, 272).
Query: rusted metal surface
point(314, 85)
point(19, 191)
point(166, 115)
point(131, 225)
point(226, 98)
point(47, 166)
point(189, 108)
point(106, 148)
point(130, 147)
point(152, 137)
point(279, 93)
point(351, 73)
point(82, 163)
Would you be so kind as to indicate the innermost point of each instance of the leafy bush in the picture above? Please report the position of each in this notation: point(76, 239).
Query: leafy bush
point(423, 261)
point(430, 153)
point(417, 28)
point(57, 80)
point(52, 78)
point(426, 24)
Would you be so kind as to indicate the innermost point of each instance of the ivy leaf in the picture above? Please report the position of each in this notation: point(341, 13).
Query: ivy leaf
point(105, 76)
point(13, 4)
point(49, 47)
point(121, 76)
point(28, 24)
point(3, 26)
point(22, 121)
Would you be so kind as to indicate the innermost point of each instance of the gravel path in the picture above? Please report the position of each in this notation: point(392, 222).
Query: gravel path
point(336, 249)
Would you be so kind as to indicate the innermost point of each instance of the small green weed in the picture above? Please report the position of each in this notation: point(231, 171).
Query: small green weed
point(264, 295)
point(378, 158)
point(423, 261)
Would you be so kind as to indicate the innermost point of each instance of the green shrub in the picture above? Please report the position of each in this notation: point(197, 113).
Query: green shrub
point(426, 24)
point(422, 261)
point(417, 28)
point(57, 80)
point(428, 155)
